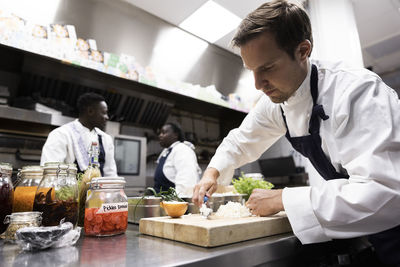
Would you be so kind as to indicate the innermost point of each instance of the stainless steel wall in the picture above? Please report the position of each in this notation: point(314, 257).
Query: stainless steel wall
point(122, 28)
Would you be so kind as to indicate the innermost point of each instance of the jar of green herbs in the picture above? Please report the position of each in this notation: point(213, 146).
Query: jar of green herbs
point(57, 194)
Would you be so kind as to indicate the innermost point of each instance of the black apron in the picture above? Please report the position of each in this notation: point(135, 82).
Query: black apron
point(102, 157)
point(386, 243)
point(160, 181)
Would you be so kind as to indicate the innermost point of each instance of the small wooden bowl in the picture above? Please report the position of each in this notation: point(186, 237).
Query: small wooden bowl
point(174, 209)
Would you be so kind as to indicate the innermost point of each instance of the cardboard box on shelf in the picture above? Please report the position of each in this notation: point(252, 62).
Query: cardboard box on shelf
point(62, 39)
point(38, 39)
point(12, 30)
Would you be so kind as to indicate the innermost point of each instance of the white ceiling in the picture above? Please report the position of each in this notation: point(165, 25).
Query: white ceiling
point(378, 22)
point(176, 11)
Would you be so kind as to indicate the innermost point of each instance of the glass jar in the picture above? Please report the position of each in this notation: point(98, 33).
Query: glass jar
point(92, 171)
point(106, 209)
point(25, 190)
point(18, 220)
point(57, 194)
point(6, 193)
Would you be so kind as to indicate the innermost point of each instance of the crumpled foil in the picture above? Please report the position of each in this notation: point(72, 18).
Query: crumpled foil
point(37, 238)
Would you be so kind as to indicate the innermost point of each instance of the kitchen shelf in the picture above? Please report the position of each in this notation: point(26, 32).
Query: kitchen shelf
point(34, 69)
point(21, 114)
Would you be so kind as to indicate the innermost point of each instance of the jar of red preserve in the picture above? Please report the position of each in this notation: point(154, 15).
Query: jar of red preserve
point(106, 209)
point(6, 193)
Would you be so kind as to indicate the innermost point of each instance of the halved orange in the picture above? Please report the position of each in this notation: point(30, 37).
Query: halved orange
point(174, 209)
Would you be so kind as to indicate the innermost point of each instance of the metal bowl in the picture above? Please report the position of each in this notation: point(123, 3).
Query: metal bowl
point(192, 208)
point(215, 201)
point(146, 207)
point(234, 198)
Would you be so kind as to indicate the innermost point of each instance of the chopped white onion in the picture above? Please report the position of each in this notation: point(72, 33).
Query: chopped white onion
point(233, 210)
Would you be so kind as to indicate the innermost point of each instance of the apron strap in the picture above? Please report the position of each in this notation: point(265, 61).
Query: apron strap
point(102, 155)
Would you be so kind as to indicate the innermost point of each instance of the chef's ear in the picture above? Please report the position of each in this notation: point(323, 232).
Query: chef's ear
point(303, 50)
point(90, 110)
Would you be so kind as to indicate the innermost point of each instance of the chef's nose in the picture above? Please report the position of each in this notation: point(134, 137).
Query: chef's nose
point(258, 81)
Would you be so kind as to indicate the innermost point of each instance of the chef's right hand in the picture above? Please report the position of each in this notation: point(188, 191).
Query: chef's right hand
point(206, 187)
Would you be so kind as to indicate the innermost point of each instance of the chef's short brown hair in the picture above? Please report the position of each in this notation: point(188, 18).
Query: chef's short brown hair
point(288, 22)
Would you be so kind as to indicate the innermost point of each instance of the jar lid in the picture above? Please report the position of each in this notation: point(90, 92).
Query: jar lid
point(23, 216)
point(5, 166)
point(61, 165)
point(108, 180)
point(32, 168)
point(52, 167)
point(72, 166)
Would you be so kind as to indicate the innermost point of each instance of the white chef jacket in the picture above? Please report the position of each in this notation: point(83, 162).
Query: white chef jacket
point(181, 167)
point(59, 146)
point(362, 135)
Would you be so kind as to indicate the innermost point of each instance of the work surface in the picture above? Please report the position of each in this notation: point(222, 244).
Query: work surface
point(134, 249)
point(197, 230)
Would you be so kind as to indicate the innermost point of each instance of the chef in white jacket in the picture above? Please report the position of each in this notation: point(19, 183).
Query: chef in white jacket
point(346, 121)
point(71, 142)
point(177, 165)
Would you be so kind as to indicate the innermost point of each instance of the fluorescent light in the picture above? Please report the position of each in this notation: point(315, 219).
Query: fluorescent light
point(210, 22)
point(40, 12)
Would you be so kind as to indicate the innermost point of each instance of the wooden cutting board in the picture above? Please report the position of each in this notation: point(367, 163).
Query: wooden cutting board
point(197, 230)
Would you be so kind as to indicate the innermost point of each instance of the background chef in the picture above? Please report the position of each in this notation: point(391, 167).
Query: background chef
point(70, 143)
point(177, 164)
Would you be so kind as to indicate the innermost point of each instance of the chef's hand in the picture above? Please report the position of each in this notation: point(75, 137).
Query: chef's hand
point(264, 202)
point(207, 186)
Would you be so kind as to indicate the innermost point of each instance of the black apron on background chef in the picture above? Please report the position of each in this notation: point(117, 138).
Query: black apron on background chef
point(168, 135)
point(386, 243)
point(161, 182)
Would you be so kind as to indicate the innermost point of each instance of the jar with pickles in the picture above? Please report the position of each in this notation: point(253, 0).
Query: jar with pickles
point(92, 171)
point(106, 209)
point(57, 194)
point(6, 193)
point(25, 190)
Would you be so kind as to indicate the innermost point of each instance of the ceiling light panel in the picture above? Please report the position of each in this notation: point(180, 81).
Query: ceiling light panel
point(210, 22)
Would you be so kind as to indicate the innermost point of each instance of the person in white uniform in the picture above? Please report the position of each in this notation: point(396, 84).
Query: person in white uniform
point(346, 121)
point(177, 165)
point(71, 142)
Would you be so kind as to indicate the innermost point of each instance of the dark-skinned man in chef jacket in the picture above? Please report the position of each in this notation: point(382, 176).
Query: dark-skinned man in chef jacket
point(71, 142)
point(346, 121)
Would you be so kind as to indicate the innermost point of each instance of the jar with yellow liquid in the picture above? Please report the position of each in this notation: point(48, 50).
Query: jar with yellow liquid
point(25, 190)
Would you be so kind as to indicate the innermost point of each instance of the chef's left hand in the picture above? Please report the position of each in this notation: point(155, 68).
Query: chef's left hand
point(264, 202)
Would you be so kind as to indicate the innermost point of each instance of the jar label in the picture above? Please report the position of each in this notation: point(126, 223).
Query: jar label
point(113, 207)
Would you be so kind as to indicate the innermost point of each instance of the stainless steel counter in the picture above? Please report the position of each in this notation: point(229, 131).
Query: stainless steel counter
point(134, 249)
